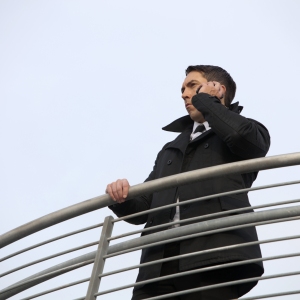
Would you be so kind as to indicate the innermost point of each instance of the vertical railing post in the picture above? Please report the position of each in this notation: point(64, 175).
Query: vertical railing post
point(99, 261)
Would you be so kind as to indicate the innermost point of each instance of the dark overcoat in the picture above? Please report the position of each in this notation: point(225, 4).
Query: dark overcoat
point(232, 138)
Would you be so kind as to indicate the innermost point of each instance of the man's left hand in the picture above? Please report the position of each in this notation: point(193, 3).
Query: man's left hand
point(213, 88)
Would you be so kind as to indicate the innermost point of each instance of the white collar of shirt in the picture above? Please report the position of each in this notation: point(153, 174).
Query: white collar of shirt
point(196, 124)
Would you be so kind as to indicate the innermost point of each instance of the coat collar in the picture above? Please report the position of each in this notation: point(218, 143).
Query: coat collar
point(180, 125)
point(181, 141)
point(186, 123)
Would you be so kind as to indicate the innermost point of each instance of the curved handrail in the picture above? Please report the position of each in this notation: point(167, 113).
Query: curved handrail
point(149, 187)
point(179, 233)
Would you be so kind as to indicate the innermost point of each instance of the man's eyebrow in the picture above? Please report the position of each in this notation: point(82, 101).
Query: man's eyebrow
point(189, 84)
point(192, 81)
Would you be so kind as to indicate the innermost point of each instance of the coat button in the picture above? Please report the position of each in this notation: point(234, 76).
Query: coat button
point(169, 162)
point(206, 145)
point(185, 207)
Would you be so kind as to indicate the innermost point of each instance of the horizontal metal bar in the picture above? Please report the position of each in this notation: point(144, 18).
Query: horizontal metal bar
point(51, 240)
point(163, 225)
point(75, 210)
point(223, 284)
point(235, 192)
point(201, 270)
point(258, 297)
point(260, 242)
point(203, 228)
point(88, 257)
point(48, 257)
point(219, 214)
point(189, 236)
point(271, 295)
point(57, 289)
point(280, 215)
point(21, 286)
point(160, 226)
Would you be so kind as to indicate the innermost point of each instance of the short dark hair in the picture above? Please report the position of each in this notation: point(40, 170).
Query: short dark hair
point(214, 73)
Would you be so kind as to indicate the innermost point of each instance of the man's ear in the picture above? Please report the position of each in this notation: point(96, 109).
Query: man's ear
point(223, 87)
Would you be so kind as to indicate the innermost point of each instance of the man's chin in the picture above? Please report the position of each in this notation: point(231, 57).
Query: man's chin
point(197, 117)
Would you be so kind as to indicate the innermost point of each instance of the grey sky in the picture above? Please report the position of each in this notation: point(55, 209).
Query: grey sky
point(85, 87)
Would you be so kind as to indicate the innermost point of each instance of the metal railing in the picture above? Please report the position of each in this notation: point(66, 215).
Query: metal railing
point(202, 225)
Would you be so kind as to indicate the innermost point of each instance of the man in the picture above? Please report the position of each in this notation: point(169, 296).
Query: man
point(213, 133)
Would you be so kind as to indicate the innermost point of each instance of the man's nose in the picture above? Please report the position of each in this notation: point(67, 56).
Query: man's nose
point(186, 95)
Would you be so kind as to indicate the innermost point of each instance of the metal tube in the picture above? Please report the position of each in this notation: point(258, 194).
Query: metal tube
point(47, 258)
point(149, 187)
point(159, 226)
point(200, 228)
point(135, 232)
point(260, 242)
point(201, 270)
point(206, 198)
point(272, 295)
point(17, 288)
point(56, 289)
point(77, 260)
point(99, 261)
point(223, 284)
point(219, 214)
point(189, 236)
point(50, 241)
point(203, 226)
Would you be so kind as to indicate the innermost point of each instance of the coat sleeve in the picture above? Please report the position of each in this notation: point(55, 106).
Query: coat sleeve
point(246, 138)
point(138, 204)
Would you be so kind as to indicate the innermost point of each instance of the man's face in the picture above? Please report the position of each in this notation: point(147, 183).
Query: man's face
point(189, 87)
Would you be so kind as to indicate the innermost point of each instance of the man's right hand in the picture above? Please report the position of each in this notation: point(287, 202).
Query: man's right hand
point(118, 190)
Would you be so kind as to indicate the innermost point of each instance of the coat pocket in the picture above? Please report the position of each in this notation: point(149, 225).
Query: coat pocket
point(236, 202)
point(148, 224)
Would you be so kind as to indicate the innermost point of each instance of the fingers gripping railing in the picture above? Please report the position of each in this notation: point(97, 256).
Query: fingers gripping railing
point(163, 226)
point(183, 232)
point(81, 208)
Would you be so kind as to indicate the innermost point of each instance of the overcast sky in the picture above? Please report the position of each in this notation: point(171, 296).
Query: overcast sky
point(85, 87)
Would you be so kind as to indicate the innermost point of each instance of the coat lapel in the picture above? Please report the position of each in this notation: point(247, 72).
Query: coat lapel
point(180, 124)
point(181, 142)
